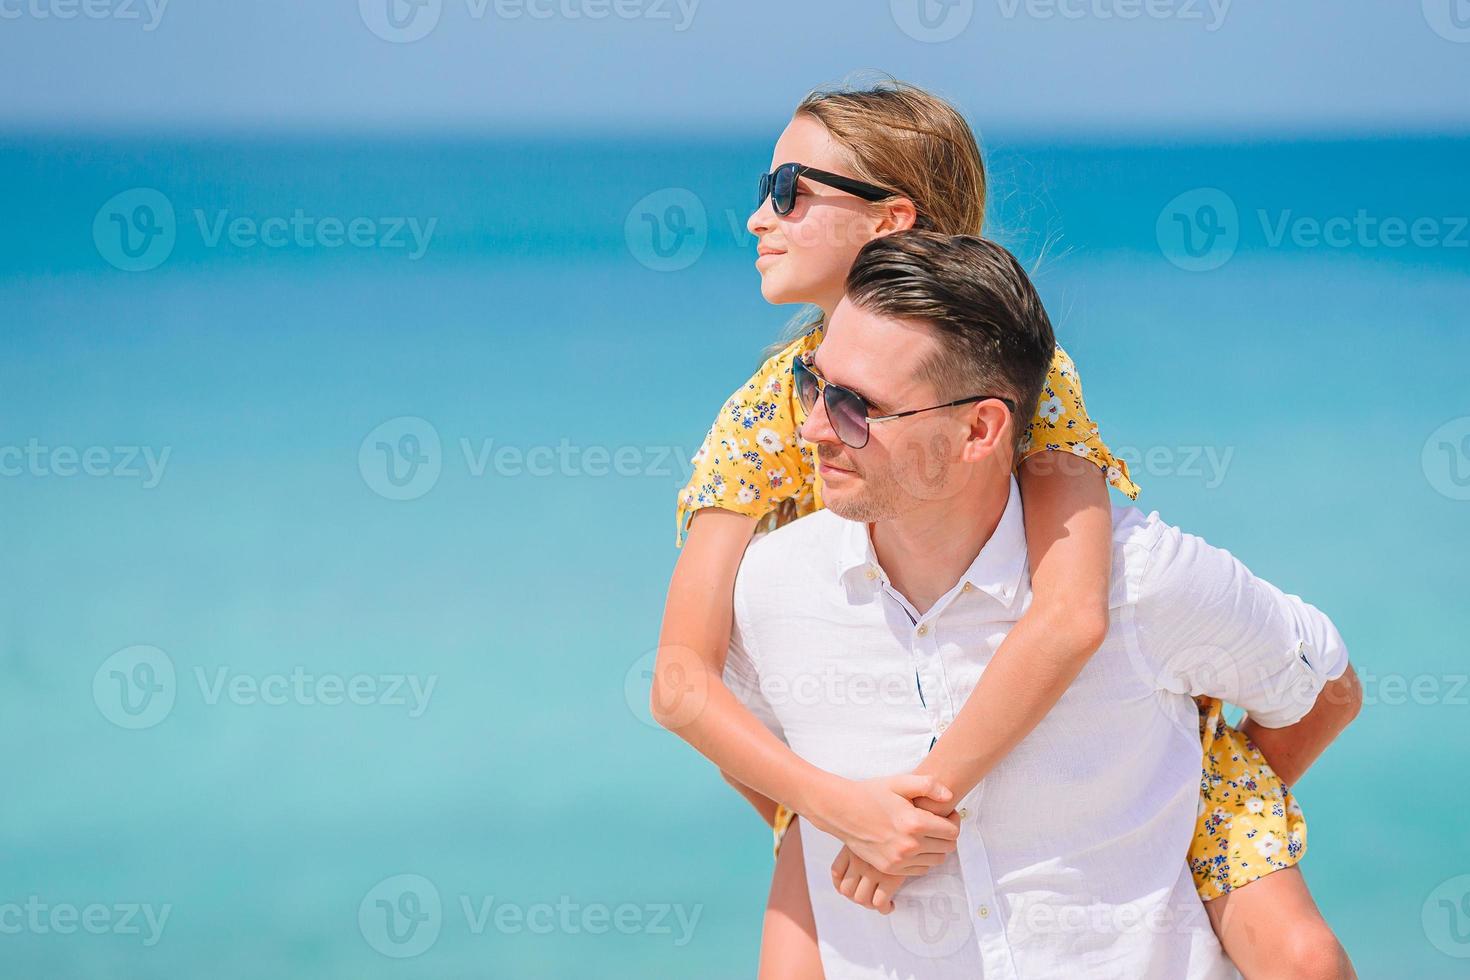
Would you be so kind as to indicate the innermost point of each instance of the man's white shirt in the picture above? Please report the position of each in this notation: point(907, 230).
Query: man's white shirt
point(1071, 855)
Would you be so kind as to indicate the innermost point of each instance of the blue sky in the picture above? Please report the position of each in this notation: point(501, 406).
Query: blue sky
point(1090, 67)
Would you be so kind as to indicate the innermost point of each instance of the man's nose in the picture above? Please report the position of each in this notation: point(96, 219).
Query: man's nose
point(818, 426)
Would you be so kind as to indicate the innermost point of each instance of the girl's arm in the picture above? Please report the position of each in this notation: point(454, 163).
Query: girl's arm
point(1069, 531)
point(690, 698)
point(764, 805)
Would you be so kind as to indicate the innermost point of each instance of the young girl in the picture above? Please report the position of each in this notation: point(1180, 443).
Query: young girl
point(872, 162)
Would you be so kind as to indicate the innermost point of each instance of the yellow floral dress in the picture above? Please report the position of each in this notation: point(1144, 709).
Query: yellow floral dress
point(753, 462)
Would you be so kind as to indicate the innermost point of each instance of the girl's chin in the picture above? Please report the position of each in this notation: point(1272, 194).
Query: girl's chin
point(776, 291)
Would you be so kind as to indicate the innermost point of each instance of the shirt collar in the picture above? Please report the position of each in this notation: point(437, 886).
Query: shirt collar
point(998, 569)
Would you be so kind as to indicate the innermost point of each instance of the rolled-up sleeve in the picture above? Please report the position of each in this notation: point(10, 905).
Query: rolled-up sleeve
point(1211, 627)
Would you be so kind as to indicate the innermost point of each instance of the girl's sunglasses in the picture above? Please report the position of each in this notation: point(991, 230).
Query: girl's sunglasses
point(780, 185)
point(849, 411)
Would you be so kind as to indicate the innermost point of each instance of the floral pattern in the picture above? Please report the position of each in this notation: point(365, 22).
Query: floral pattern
point(1249, 823)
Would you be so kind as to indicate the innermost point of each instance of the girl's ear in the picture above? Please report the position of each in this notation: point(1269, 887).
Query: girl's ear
point(898, 215)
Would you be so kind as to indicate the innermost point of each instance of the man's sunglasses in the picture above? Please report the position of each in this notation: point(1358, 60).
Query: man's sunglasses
point(849, 411)
point(780, 185)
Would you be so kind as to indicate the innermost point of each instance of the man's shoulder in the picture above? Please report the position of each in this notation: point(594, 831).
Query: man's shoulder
point(1136, 538)
point(793, 551)
point(1156, 560)
point(818, 533)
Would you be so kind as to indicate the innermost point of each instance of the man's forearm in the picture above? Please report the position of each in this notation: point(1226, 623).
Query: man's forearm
point(1292, 749)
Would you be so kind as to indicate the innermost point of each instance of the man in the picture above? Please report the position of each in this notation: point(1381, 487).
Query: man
point(860, 630)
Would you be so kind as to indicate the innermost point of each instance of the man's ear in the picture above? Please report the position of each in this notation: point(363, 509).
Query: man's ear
point(991, 431)
point(897, 215)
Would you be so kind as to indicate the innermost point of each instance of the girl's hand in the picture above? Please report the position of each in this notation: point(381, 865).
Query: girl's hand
point(884, 825)
point(864, 884)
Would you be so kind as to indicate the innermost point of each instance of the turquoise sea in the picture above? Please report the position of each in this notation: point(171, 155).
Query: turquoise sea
point(333, 554)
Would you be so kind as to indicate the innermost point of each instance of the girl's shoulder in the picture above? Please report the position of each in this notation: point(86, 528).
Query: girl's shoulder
point(780, 360)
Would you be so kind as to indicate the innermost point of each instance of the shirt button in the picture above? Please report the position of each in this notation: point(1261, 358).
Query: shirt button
point(923, 629)
point(943, 726)
point(872, 573)
point(968, 588)
point(984, 911)
point(963, 812)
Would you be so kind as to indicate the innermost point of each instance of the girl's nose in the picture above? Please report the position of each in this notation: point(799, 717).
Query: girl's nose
point(762, 219)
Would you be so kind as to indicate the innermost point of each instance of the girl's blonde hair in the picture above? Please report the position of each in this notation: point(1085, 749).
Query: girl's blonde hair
point(899, 136)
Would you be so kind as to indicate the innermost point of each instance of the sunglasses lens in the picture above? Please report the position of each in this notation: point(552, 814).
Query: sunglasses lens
point(765, 188)
point(849, 417)
point(783, 188)
point(806, 385)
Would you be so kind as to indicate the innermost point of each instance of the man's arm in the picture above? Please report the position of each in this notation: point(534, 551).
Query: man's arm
point(1292, 749)
point(1206, 625)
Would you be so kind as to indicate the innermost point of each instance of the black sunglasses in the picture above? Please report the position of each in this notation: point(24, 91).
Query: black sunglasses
point(780, 185)
point(849, 411)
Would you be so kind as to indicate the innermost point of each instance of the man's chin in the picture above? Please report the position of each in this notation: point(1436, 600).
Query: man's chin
point(849, 506)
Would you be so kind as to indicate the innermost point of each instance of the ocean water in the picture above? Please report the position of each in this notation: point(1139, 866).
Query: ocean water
point(328, 564)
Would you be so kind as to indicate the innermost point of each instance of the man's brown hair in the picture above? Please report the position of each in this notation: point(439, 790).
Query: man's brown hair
point(993, 333)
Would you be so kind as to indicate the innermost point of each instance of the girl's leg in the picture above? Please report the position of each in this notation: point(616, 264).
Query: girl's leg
point(789, 935)
point(1271, 928)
